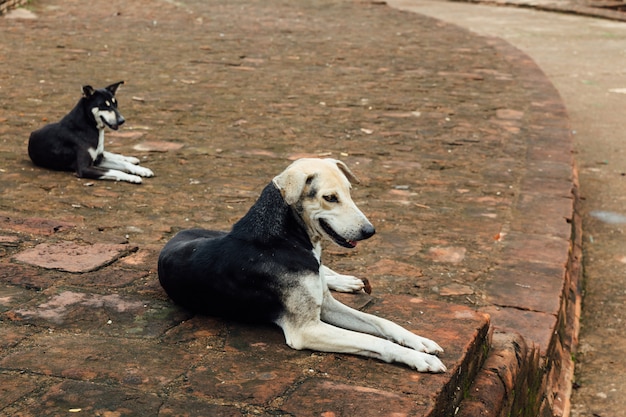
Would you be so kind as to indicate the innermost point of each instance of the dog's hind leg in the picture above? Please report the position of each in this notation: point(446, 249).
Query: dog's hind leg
point(107, 174)
point(115, 175)
point(320, 336)
point(84, 169)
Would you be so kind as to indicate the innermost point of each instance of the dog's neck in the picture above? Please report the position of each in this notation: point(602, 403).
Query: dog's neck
point(271, 220)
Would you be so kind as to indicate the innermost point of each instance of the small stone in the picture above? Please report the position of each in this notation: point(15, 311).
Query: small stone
point(451, 254)
point(158, 146)
point(455, 289)
point(20, 14)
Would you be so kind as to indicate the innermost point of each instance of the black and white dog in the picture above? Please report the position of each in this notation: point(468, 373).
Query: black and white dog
point(76, 143)
point(268, 268)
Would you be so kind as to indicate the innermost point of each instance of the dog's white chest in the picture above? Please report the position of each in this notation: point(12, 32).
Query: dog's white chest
point(317, 252)
point(98, 151)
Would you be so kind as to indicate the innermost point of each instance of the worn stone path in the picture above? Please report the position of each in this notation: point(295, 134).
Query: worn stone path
point(464, 153)
point(584, 58)
point(610, 10)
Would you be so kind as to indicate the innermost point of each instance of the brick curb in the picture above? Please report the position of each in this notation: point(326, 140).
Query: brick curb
point(537, 359)
point(506, 382)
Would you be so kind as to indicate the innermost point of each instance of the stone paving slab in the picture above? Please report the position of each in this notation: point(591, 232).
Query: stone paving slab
point(223, 365)
point(100, 359)
point(71, 256)
point(66, 397)
point(464, 155)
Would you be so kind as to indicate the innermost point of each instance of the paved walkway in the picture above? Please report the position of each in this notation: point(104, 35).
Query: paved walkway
point(584, 58)
point(464, 152)
point(610, 10)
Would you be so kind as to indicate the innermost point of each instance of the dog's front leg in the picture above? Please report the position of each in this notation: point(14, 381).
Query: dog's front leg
point(124, 164)
point(320, 336)
point(341, 315)
point(129, 159)
point(341, 283)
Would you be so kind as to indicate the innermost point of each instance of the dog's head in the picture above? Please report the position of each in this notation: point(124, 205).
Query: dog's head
point(319, 190)
point(103, 105)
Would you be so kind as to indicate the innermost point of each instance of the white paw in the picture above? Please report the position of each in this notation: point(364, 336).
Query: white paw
point(422, 344)
point(141, 171)
point(431, 347)
point(131, 160)
point(423, 362)
point(132, 178)
point(344, 283)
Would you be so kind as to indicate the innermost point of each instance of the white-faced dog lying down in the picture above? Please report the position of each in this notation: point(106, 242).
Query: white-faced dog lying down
point(76, 143)
point(268, 268)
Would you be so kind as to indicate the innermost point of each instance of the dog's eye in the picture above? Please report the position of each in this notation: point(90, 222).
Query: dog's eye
point(114, 101)
point(331, 198)
point(107, 103)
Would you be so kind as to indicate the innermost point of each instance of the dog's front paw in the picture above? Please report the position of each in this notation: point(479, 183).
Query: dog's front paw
point(344, 283)
point(142, 171)
point(132, 179)
point(422, 344)
point(423, 362)
point(132, 160)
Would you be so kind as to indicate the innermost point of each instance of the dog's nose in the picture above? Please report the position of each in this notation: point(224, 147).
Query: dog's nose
point(120, 120)
point(367, 231)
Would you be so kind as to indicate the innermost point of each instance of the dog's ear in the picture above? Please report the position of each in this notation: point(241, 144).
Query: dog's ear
point(113, 87)
point(88, 91)
point(291, 183)
point(346, 171)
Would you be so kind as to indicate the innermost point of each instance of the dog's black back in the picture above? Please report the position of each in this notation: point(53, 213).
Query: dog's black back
point(198, 271)
point(64, 145)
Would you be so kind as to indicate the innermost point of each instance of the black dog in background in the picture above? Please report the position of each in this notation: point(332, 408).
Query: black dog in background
point(76, 143)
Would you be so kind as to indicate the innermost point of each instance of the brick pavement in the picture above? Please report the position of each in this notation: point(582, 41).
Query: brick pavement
point(465, 158)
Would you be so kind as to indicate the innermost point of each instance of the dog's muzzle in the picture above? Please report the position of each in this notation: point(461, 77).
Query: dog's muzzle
point(118, 122)
point(365, 232)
